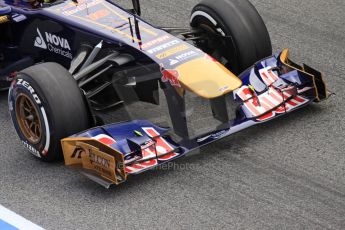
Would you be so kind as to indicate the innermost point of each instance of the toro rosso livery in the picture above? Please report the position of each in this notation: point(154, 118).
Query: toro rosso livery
point(114, 96)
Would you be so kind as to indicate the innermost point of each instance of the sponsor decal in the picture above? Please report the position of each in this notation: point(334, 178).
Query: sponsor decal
point(173, 62)
point(183, 57)
point(39, 41)
point(94, 159)
point(186, 55)
point(31, 149)
point(31, 90)
point(172, 51)
point(163, 46)
point(99, 14)
point(170, 75)
point(155, 42)
point(98, 160)
point(53, 43)
point(26, 85)
point(77, 153)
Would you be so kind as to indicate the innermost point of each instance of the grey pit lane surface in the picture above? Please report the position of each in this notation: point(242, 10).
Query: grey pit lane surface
point(286, 174)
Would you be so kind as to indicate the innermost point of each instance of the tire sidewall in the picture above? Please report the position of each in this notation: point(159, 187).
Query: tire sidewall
point(23, 84)
point(210, 16)
point(221, 28)
point(239, 20)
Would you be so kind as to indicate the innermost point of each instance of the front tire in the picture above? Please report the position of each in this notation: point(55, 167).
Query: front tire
point(46, 105)
point(236, 34)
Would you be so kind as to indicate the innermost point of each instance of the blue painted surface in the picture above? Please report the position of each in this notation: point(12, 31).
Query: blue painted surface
point(6, 226)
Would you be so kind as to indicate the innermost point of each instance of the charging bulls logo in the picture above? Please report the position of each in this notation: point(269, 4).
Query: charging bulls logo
point(170, 75)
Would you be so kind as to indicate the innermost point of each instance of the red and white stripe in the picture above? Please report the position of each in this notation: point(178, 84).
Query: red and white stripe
point(268, 76)
point(244, 93)
point(272, 99)
point(105, 139)
point(162, 147)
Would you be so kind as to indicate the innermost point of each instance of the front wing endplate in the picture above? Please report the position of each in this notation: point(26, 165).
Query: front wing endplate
point(92, 156)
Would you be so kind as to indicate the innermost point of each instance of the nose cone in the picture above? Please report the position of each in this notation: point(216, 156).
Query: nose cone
point(207, 78)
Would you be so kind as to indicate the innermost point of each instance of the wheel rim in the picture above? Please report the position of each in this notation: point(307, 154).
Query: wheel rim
point(216, 44)
point(28, 119)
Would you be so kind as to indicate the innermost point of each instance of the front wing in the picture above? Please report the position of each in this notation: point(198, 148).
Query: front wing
point(271, 88)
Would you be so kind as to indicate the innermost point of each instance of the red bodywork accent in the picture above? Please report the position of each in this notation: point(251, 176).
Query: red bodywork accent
point(170, 75)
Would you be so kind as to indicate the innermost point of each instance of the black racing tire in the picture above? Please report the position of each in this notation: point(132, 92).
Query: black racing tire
point(46, 105)
point(248, 40)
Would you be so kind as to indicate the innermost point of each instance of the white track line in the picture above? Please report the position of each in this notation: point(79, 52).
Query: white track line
point(15, 221)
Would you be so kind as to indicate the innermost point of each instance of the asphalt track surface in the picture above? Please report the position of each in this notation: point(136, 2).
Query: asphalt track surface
point(286, 174)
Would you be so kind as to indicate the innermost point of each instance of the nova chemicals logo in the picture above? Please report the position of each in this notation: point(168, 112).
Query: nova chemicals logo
point(39, 41)
point(53, 43)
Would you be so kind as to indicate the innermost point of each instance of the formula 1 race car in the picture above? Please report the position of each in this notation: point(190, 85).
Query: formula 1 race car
point(114, 96)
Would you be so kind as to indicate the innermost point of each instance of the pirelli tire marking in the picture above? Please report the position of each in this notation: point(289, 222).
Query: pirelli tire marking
point(13, 93)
